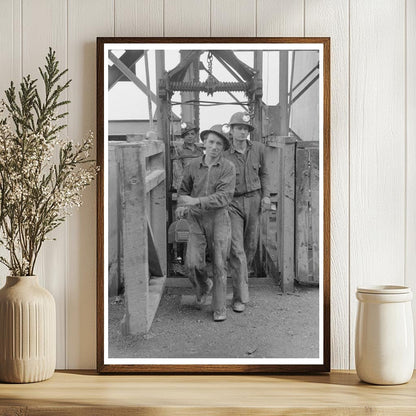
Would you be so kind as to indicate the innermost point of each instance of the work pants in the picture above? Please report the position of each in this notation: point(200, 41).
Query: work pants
point(210, 232)
point(244, 215)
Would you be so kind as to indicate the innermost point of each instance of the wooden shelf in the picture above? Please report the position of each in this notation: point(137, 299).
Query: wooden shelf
point(86, 393)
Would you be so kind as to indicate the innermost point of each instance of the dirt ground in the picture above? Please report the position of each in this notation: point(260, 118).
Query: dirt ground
point(274, 325)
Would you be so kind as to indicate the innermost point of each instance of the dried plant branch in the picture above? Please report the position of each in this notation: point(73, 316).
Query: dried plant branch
point(41, 176)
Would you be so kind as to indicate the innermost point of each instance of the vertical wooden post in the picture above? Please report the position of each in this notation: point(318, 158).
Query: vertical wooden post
point(287, 215)
point(113, 224)
point(283, 92)
point(196, 93)
point(149, 98)
point(258, 263)
point(302, 215)
point(160, 70)
point(307, 212)
point(136, 275)
point(157, 212)
point(273, 160)
point(314, 184)
point(187, 110)
point(258, 95)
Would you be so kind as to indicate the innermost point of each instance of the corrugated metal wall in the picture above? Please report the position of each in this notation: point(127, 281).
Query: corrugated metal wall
point(373, 125)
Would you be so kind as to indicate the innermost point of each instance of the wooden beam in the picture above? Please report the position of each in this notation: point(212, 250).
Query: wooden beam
point(154, 178)
point(187, 109)
point(258, 102)
point(149, 100)
point(283, 93)
point(155, 266)
point(113, 223)
point(287, 217)
point(129, 58)
point(151, 147)
point(134, 228)
point(158, 207)
point(132, 77)
point(160, 70)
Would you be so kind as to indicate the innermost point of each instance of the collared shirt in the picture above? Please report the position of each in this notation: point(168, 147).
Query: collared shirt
point(251, 170)
point(213, 185)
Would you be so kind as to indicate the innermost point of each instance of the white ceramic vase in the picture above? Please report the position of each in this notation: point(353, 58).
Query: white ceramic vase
point(384, 337)
point(27, 331)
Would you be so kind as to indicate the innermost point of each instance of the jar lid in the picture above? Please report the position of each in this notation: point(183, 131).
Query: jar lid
point(384, 289)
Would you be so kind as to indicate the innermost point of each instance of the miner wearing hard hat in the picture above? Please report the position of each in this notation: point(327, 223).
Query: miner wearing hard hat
point(191, 147)
point(189, 150)
point(204, 195)
point(252, 192)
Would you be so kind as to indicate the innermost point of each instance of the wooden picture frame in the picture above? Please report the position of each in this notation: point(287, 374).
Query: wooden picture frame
point(135, 181)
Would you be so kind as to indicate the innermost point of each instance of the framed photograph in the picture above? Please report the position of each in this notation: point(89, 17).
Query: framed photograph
point(213, 217)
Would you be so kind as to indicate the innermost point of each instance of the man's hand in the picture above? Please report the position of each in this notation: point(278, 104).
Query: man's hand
point(188, 200)
point(181, 212)
point(266, 203)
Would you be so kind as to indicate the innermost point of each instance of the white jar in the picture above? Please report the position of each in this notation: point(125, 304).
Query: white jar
point(384, 340)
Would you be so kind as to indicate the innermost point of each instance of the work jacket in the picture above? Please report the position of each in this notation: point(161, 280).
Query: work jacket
point(189, 152)
point(251, 170)
point(213, 185)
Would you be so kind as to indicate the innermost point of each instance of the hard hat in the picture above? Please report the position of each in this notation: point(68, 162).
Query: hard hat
point(220, 130)
point(186, 127)
point(241, 118)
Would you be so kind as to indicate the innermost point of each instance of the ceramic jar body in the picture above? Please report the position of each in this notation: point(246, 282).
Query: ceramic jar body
point(384, 342)
point(27, 331)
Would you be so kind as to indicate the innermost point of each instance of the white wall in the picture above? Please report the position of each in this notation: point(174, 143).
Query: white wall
point(373, 132)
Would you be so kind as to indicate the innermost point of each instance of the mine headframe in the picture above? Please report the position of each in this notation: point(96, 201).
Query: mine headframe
point(248, 80)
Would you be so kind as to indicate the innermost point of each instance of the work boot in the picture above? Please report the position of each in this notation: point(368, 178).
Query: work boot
point(202, 299)
point(219, 316)
point(238, 306)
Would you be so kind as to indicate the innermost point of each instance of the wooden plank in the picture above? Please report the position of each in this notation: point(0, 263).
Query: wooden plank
point(86, 20)
point(377, 174)
point(138, 17)
point(315, 174)
point(307, 210)
point(129, 58)
point(272, 157)
point(155, 265)
point(10, 67)
point(275, 161)
point(135, 243)
point(183, 18)
point(302, 215)
point(287, 218)
point(158, 207)
point(152, 147)
point(187, 112)
point(279, 215)
point(113, 223)
point(331, 18)
point(36, 39)
point(153, 179)
point(132, 76)
point(233, 18)
point(280, 18)
point(411, 150)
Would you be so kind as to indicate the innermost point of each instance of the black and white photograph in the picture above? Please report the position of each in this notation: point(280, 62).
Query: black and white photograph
point(214, 207)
